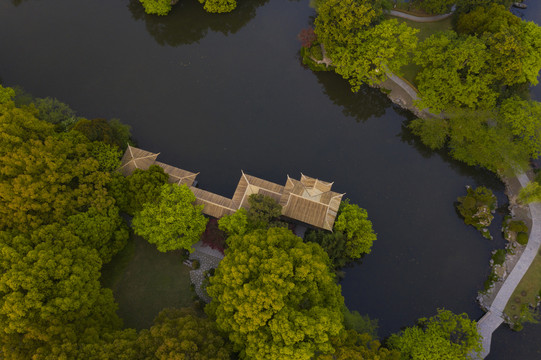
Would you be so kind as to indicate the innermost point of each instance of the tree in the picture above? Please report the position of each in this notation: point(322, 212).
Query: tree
point(461, 64)
point(349, 345)
point(477, 207)
point(445, 336)
point(334, 245)
point(6, 94)
point(362, 324)
point(275, 297)
point(133, 191)
point(530, 193)
point(110, 132)
point(108, 156)
point(172, 222)
point(234, 224)
point(181, 334)
point(437, 6)
point(263, 211)
point(361, 49)
point(514, 45)
point(353, 222)
point(50, 294)
point(104, 231)
point(433, 132)
point(523, 118)
point(156, 7)
point(45, 177)
point(219, 6)
point(55, 112)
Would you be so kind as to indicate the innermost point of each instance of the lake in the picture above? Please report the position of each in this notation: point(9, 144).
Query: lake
point(218, 94)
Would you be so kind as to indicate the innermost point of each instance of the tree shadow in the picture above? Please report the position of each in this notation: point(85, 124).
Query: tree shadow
point(188, 22)
point(479, 174)
point(366, 103)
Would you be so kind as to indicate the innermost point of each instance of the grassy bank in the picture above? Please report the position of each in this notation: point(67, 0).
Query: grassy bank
point(144, 281)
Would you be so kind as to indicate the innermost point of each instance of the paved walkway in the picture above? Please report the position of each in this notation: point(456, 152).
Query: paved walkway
point(493, 318)
point(421, 18)
point(208, 259)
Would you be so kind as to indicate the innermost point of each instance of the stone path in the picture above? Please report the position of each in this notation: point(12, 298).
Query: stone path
point(494, 318)
point(421, 18)
point(208, 259)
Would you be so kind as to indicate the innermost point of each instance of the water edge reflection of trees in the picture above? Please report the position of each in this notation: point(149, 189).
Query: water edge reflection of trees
point(188, 23)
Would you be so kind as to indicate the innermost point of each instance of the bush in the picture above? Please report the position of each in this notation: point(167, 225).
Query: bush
point(316, 52)
point(499, 257)
point(517, 226)
point(196, 264)
point(522, 238)
point(477, 207)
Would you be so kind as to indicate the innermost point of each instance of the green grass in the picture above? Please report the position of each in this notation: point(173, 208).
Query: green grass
point(526, 291)
point(409, 72)
point(144, 281)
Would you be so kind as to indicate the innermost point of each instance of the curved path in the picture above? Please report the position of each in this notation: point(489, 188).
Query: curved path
point(493, 318)
point(421, 18)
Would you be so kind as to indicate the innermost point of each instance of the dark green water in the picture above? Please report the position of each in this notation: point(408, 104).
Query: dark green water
point(221, 93)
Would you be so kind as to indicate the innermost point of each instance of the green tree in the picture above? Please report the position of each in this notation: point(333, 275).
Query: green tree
point(477, 208)
point(219, 6)
point(523, 118)
point(156, 7)
point(530, 193)
point(110, 132)
point(362, 49)
point(50, 295)
point(263, 211)
point(181, 334)
point(514, 45)
point(133, 191)
point(360, 323)
point(108, 156)
point(461, 64)
point(445, 336)
point(437, 6)
point(433, 132)
point(234, 224)
point(275, 297)
point(334, 244)
point(55, 112)
point(171, 222)
point(353, 222)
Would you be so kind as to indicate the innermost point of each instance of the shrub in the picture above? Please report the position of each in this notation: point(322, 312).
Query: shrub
point(316, 52)
point(522, 238)
point(196, 264)
point(499, 257)
point(476, 208)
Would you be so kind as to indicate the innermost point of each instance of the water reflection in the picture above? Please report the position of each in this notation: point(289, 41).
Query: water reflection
point(188, 22)
point(362, 105)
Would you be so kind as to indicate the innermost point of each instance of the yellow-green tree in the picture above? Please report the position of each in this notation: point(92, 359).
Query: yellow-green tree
point(181, 334)
point(445, 336)
point(50, 295)
point(171, 222)
point(275, 296)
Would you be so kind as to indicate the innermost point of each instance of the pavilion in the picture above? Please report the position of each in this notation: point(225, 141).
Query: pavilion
point(308, 200)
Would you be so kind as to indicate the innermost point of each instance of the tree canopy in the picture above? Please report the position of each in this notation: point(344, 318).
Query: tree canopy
point(172, 221)
point(362, 48)
point(445, 336)
point(275, 296)
point(454, 73)
point(181, 334)
point(50, 295)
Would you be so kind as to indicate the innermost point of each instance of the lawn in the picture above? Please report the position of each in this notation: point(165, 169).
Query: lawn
point(526, 291)
point(144, 281)
point(425, 30)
